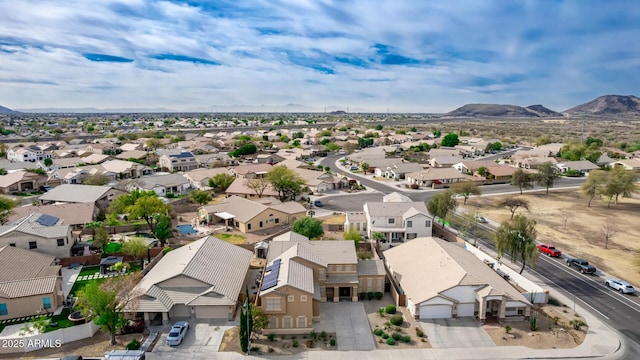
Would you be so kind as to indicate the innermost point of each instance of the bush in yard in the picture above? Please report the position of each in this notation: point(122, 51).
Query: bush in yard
point(396, 336)
point(385, 335)
point(406, 339)
point(370, 295)
point(390, 309)
point(390, 341)
point(377, 332)
point(507, 328)
point(295, 344)
point(381, 311)
point(397, 320)
point(133, 345)
point(362, 296)
point(379, 295)
point(419, 332)
point(332, 342)
point(271, 337)
point(309, 344)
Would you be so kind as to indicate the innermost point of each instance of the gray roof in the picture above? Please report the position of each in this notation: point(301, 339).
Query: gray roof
point(396, 197)
point(71, 213)
point(220, 266)
point(32, 225)
point(376, 209)
point(75, 193)
point(371, 267)
point(149, 182)
point(322, 252)
point(291, 236)
point(17, 279)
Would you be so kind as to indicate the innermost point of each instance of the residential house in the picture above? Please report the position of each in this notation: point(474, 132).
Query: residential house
point(215, 159)
point(270, 159)
point(443, 161)
point(434, 177)
point(627, 164)
point(251, 171)
point(301, 274)
point(356, 220)
point(240, 187)
point(20, 182)
point(145, 157)
point(130, 147)
point(101, 196)
point(39, 232)
point(530, 159)
point(397, 221)
point(460, 284)
point(79, 174)
point(30, 283)
point(470, 167)
point(126, 169)
point(249, 216)
point(163, 184)
point(72, 214)
point(199, 178)
point(500, 173)
point(201, 280)
point(398, 170)
point(103, 148)
point(32, 153)
point(602, 161)
point(319, 181)
point(10, 166)
point(177, 160)
point(581, 166)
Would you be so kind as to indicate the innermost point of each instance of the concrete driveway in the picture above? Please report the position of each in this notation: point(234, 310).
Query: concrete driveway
point(456, 333)
point(202, 338)
point(349, 322)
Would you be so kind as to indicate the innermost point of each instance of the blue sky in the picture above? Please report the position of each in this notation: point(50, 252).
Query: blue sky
point(398, 56)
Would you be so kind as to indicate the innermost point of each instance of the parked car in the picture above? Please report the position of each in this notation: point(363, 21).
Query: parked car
point(620, 285)
point(177, 333)
point(482, 219)
point(317, 203)
point(353, 168)
point(549, 250)
point(582, 265)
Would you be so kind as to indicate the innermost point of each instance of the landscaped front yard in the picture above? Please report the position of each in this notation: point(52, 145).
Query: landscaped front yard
point(404, 336)
point(270, 344)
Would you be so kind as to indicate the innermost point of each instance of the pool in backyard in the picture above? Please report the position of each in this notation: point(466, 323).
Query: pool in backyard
point(186, 229)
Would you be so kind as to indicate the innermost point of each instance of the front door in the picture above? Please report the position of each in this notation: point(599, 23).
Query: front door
point(330, 294)
point(345, 293)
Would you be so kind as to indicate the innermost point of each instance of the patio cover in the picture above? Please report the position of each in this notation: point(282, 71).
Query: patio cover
point(224, 215)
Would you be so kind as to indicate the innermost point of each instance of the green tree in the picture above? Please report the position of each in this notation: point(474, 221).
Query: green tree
point(522, 180)
point(243, 333)
point(221, 181)
point(97, 179)
point(620, 182)
point(48, 162)
point(436, 133)
point(466, 189)
point(3, 149)
point(517, 238)
point(135, 248)
point(105, 302)
point(441, 204)
point(260, 320)
point(38, 171)
point(547, 175)
point(164, 229)
point(140, 205)
point(308, 227)
point(153, 144)
point(594, 185)
point(6, 209)
point(450, 140)
point(513, 203)
point(93, 225)
point(353, 234)
point(201, 196)
point(100, 238)
point(286, 182)
point(378, 236)
point(331, 147)
point(258, 185)
point(364, 166)
point(483, 171)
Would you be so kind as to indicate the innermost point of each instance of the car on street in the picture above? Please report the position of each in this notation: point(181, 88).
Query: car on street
point(620, 285)
point(177, 333)
point(317, 203)
point(482, 219)
point(549, 250)
point(581, 265)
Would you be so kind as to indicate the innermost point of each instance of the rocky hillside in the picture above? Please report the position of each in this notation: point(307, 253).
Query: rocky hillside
point(4, 110)
point(502, 111)
point(618, 105)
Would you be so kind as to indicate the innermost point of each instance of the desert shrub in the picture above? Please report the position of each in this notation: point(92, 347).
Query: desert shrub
point(406, 339)
point(377, 332)
point(133, 345)
point(271, 337)
point(323, 334)
point(332, 342)
point(294, 343)
point(379, 295)
point(270, 350)
point(370, 295)
point(390, 309)
point(381, 311)
point(397, 320)
point(553, 301)
point(396, 336)
point(310, 344)
point(362, 295)
point(385, 335)
point(414, 186)
point(313, 335)
point(419, 332)
point(507, 328)
point(255, 349)
point(577, 324)
point(533, 323)
point(391, 341)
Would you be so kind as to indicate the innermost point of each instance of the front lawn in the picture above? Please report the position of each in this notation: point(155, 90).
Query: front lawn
point(112, 247)
point(231, 238)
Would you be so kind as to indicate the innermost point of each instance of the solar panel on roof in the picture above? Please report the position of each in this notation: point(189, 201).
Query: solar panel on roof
point(269, 285)
point(47, 220)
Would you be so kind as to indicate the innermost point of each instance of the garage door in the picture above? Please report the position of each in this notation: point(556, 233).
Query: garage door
point(212, 312)
point(435, 312)
point(181, 311)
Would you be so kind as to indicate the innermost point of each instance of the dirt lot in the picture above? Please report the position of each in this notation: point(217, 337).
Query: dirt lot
point(551, 334)
point(95, 346)
point(281, 345)
point(583, 234)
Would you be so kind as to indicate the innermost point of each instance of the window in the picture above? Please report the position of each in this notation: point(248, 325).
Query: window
point(369, 284)
point(260, 223)
point(392, 221)
point(291, 298)
point(33, 245)
point(277, 220)
point(302, 321)
point(347, 268)
point(338, 268)
point(60, 242)
point(12, 244)
point(409, 223)
point(427, 223)
point(358, 226)
point(273, 322)
point(46, 303)
point(286, 322)
point(3, 309)
point(321, 274)
point(303, 298)
point(248, 226)
point(411, 236)
point(273, 304)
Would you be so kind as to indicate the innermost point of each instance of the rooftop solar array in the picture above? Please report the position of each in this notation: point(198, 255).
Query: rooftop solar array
point(182, 155)
point(271, 275)
point(47, 220)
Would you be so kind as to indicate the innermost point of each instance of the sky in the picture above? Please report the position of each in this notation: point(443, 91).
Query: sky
point(360, 55)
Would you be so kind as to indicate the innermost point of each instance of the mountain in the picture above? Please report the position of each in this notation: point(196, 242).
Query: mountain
point(4, 110)
point(91, 110)
point(618, 105)
point(502, 111)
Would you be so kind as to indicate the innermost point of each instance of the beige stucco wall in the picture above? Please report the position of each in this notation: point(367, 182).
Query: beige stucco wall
point(266, 223)
point(45, 246)
point(293, 309)
point(32, 305)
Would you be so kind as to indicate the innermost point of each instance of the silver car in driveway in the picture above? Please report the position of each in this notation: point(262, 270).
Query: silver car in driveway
point(620, 285)
point(177, 333)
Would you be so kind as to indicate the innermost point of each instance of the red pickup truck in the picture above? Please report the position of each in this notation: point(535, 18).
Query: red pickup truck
point(549, 250)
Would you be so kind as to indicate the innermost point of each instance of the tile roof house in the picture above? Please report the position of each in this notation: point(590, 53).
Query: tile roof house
point(32, 153)
point(27, 290)
point(397, 221)
point(248, 216)
point(251, 171)
point(459, 284)
point(163, 184)
point(432, 177)
point(627, 164)
point(38, 232)
point(101, 196)
point(21, 181)
point(301, 273)
point(583, 166)
point(73, 214)
point(202, 279)
point(147, 157)
point(239, 187)
point(177, 160)
point(199, 178)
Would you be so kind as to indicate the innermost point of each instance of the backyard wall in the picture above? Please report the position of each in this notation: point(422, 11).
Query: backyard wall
point(53, 339)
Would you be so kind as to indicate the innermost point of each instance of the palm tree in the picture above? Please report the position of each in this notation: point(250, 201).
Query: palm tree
point(377, 236)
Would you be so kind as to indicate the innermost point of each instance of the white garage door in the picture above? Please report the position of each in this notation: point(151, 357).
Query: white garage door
point(212, 312)
point(435, 312)
point(180, 311)
point(466, 310)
